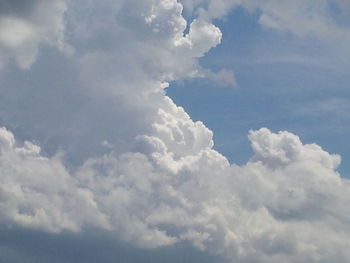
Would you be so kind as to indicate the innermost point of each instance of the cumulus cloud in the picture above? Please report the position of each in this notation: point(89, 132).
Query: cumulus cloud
point(36, 191)
point(285, 204)
point(107, 149)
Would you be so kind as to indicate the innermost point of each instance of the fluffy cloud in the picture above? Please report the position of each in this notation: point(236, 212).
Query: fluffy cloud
point(288, 203)
point(115, 76)
point(38, 192)
point(111, 151)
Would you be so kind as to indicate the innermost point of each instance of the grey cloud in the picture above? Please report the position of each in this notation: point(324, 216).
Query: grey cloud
point(18, 7)
point(23, 245)
point(27, 25)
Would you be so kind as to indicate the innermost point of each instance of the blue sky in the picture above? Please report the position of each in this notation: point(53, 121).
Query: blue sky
point(284, 83)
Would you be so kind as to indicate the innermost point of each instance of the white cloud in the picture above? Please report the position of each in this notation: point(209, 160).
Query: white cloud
point(285, 204)
point(159, 182)
point(38, 192)
point(284, 148)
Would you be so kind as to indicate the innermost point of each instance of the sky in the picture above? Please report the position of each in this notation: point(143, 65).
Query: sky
point(284, 82)
point(174, 131)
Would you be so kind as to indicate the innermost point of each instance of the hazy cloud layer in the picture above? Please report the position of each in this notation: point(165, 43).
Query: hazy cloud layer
point(109, 150)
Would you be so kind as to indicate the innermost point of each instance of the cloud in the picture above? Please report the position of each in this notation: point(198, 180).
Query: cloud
point(268, 210)
point(103, 147)
point(24, 27)
point(285, 148)
point(36, 190)
point(223, 78)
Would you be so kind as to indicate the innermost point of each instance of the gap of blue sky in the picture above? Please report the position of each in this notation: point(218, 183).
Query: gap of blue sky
point(284, 83)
